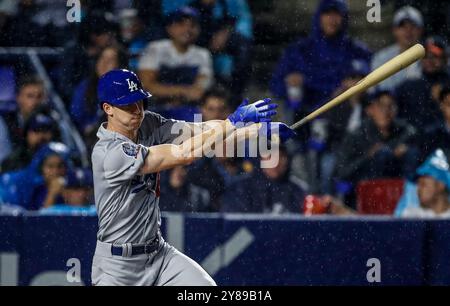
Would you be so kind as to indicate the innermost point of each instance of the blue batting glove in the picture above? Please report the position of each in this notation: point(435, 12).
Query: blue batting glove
point(278, 128)
point(259, 111)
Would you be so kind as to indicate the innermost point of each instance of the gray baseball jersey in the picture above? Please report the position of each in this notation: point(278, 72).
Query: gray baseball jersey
point(128, 211)
point(127, 203)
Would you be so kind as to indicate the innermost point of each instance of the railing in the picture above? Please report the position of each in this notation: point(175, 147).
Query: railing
point(69, 133)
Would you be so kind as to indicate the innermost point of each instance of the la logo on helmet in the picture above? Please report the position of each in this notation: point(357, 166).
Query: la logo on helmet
point(132, 86)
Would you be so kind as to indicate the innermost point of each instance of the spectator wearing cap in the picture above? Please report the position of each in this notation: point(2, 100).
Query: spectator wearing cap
point(407, 30)
point(40, 129)
point(175, 70)
point(31, 97)
point(429, 196)
point(77, 194)
point(345, 118)
point(419, 98)
point(437, 134)
point(311, 69)
point(382, 147)
point(272, 190)
point(84, 108)
point(96, 32)
point(226, 30)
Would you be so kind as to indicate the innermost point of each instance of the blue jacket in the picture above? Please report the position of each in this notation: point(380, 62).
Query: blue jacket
point(24, 186)
point(323, 62)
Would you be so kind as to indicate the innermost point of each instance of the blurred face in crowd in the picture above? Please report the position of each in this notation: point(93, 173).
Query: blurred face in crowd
point(107, 61)
point(30, 97)
point(445, 107)
point(331, 23)
point(131, 27)
point(37, 138)
point(177, 177)
point(383, 111)
point(208, 2)
point(184, 32)
point(102, 40)
point(433, 63)
point(126, 118)
point(214, 108)
point(279, 170)
point(428, 190)
point(77, 196)
point(407, 34)
point(53, 167)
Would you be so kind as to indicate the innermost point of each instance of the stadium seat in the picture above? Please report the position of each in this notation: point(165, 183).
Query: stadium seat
point(378, 196)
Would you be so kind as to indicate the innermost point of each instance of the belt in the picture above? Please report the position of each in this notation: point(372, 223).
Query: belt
point(136, 249)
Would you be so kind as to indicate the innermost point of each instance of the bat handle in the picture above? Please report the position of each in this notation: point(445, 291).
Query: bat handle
point(299, 123)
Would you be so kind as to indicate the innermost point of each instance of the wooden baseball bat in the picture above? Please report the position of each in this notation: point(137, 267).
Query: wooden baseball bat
point(389, 68)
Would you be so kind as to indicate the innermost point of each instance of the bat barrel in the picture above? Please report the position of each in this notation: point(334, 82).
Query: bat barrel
point(386, 70)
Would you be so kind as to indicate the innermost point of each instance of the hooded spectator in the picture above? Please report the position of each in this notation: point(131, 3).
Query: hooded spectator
point(40, 184)
point(311, 69)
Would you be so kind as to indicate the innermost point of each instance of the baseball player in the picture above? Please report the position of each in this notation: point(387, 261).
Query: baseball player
point(133, 147)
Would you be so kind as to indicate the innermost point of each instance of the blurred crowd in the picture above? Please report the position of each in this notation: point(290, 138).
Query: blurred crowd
point(195, 56)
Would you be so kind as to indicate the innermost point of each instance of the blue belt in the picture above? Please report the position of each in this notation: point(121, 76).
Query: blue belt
point(137, 249)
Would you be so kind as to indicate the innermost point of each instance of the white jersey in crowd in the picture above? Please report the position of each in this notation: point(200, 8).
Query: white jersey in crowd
point(412, 72)
point(162, 54)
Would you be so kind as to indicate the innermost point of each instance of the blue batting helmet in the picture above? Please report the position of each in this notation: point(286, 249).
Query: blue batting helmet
point(120, 87)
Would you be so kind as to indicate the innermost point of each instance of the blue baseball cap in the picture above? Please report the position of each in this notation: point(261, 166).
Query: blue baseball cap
point(436, 166)
point(120, 87)
point(182, 13)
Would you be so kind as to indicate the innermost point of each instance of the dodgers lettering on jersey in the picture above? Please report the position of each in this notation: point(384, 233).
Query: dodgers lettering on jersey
point(126, 202)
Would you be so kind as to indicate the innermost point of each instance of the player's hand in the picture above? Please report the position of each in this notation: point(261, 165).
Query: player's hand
point(278, 128)
point(259, 111)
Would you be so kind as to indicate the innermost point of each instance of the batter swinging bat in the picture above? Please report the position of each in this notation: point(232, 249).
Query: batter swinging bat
point(389, 68)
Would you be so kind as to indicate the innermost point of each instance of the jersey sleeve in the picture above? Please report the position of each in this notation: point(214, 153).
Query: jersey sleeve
point(167, 130)
point(123, 160)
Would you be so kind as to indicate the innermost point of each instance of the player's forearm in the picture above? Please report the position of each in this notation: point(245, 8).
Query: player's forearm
point(250, 132)
point(213, 134)
point(167, 156)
